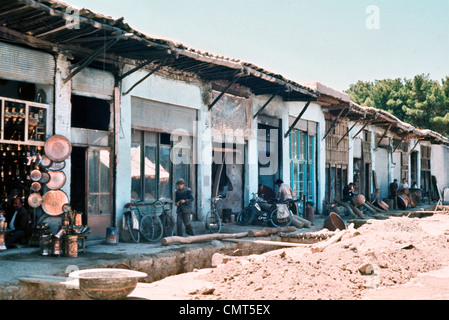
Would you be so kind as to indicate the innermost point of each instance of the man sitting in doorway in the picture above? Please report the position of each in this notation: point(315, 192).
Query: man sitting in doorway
point(348, 192)
point(265, 193)
point(18, 223)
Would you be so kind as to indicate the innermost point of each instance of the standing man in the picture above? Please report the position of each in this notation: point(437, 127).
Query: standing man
point(285, 192)
point(184, 199)
point(18, 224)
point(393, 193)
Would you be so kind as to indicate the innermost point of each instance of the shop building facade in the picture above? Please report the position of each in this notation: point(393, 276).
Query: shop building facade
point(143, 112)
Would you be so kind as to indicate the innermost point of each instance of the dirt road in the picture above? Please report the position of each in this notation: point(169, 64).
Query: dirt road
point(409, 259)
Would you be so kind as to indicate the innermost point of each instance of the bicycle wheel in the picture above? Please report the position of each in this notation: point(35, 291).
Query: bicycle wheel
point(133, 229)
point(169, 224)
point(280, 223)
point(247, 216)
point(213, 222)
point(151, 228)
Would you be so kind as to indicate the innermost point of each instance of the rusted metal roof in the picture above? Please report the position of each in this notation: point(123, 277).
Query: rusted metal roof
point(52, 26)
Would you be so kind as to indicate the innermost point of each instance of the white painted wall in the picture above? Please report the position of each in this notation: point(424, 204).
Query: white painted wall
point(63, 110)
point(173, 92)
point(440, 163)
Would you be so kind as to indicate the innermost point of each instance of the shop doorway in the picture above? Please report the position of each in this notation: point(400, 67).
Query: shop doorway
point(228, 175)
point(270, 156)
point(91, 187)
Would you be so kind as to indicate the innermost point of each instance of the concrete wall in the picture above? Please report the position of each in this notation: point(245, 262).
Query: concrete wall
point(440, 163)
point(179, 93)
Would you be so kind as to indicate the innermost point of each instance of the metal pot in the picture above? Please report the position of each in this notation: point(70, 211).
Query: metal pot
point(58, 148)
point(359, 200)
point(57, 181)
point(383, 205)
point(53, 202)
point(403, 202)
point(334, 222)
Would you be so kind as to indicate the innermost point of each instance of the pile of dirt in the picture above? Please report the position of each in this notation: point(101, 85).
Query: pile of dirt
point(396, 250)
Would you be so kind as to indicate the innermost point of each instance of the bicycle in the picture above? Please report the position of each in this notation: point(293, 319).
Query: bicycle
point(212, 219)
point(149, 224)
point(168, 222)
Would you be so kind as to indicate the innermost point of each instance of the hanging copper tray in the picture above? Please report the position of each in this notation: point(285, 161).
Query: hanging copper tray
point(35, 200)
point(57, 166)
point(35, 175)
point(58, 148)
point(53, 201)
point(36, 187)
point(45, 178)
point(57, 181)
point(45, 162)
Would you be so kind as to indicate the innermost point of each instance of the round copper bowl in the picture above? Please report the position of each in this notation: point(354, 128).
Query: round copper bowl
point(35, 200)
point(334, 222)
point(57, 181)
point(57, 166)
point(107, 284)
point(359, 200)
point(45, 178)
point(36, 187)
point(45, 162)
point(58, 148)
point(53, 201)
point(35, 175)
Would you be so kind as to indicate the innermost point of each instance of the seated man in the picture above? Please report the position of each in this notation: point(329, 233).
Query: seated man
point(348, 192)
point(375, 197)
point(18, 223)
point(265, 193)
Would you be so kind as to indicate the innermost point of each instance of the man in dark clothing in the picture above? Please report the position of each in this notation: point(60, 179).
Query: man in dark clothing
point(184, 199)
point(393, 193)
point(18, 223)
point(348, 192)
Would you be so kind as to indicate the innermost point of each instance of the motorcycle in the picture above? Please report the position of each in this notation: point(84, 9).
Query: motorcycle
point(274, 212)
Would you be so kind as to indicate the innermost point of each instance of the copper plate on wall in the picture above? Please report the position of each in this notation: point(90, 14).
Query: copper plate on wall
point(36, 186)
point(45, 178)
point(58, 148)
point(36, 175)
point(53, 202)
point(35, 200)
point(57, 181)
point(57, 166)
point(45, 162)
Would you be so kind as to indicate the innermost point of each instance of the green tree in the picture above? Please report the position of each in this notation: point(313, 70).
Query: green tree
point(420, 101)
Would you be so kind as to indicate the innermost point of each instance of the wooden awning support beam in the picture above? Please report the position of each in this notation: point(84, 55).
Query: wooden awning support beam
point(383, 136)
point(144, 78)
point(269, 101)
point(363, 128)
point(347, 133)
point(86, 62)
point(402, 140)
point(297, 119)
point(140, 66)
point(334, 123)
point(416, 144)
point(234, 80)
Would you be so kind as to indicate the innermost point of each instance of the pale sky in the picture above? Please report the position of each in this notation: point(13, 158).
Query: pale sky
point(313, 40)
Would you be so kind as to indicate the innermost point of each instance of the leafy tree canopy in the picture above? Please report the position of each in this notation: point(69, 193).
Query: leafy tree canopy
point(421, 101)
